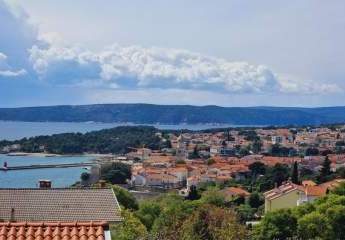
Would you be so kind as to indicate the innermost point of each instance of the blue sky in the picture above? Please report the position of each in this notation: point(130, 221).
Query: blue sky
point(229, 53)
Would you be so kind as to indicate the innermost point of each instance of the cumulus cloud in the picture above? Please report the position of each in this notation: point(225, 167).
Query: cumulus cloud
point(5, 69)
point(137, 67)
point(46, 57)
point(17, 36)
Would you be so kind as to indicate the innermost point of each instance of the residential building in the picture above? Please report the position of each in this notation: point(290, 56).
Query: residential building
point(284, 196)
point(232, 192)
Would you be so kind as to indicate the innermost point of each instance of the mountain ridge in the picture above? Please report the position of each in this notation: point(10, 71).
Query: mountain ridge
point(142, 113)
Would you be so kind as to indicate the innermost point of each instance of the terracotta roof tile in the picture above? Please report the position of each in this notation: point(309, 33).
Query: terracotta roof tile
point(52, 230)
point(236, 191)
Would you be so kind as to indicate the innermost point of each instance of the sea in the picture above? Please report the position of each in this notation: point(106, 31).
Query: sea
point(60, 177)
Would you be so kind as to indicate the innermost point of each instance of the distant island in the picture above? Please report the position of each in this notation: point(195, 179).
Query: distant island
point(176, 114)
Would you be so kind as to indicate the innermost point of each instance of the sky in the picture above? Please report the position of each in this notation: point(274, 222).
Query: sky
point(198, 52)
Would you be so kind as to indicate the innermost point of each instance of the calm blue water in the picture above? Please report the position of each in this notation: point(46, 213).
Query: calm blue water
point(60, 177)
point(16, 130)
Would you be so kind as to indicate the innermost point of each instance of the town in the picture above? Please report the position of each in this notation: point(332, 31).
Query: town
point(255, 171)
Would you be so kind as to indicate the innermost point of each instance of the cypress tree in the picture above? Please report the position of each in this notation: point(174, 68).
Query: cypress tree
point(294, 177)
point(325, 170)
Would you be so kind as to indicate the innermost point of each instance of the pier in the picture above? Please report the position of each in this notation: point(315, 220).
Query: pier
point(39, 166)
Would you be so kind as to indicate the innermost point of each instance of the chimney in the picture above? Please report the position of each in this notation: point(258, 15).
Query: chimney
point(102, 183)
point(45, 184)
point(12, 215)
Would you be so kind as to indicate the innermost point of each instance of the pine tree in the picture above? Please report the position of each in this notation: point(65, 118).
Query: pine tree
point(294, 176)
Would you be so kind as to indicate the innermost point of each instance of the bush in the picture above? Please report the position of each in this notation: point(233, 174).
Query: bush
point(125, 198)
point(129, 229)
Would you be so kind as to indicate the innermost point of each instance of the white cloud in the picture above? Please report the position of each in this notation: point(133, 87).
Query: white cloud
point(5, 70)
point(136, 67)
point(47, 57)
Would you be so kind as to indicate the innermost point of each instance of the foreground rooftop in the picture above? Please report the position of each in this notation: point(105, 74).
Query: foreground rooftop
point(54, 231)
point(59, 204)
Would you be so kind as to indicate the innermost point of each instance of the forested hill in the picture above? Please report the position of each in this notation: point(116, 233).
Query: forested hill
point(176, 114)
point(114, 140)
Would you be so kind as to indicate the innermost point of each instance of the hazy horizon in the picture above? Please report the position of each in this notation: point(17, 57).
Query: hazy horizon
point(192, 105)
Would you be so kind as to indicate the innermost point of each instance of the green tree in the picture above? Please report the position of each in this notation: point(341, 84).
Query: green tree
point(280, 224)
point(193, 193)
point(255, 200)
point(195, 153)
point(129, 229)
point(294, 175)
point(244, 151)
point(325, 170)
point(245, 213)
point(313, 226)
point(214, 197)
point(256, 146)
point(336, 219)
point(279, 173)
point(85, 176)
point(257, 168)
point(213, 223)
point(116, 173)
point(148, 212)
point(174, 212)
point(340, 189)
point(125, 198)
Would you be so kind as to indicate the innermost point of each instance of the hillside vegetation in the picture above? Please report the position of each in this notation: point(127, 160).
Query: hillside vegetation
point(114, 140)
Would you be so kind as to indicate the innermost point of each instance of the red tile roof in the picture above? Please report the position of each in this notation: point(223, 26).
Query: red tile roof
point(316, 191)
point(52, 230)
point(236, 191)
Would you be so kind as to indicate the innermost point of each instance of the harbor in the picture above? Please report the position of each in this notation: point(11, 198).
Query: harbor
point(26, 171)
point(40, 166)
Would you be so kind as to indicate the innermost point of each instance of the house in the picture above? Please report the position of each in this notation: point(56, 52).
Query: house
point(59, 205)
point(290, 195)
point(163, 180)
point(284, 196)
point(54, 230)
point(311, 193)
point(232, 192)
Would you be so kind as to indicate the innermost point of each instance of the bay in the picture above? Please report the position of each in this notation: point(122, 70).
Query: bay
point(60, 177)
